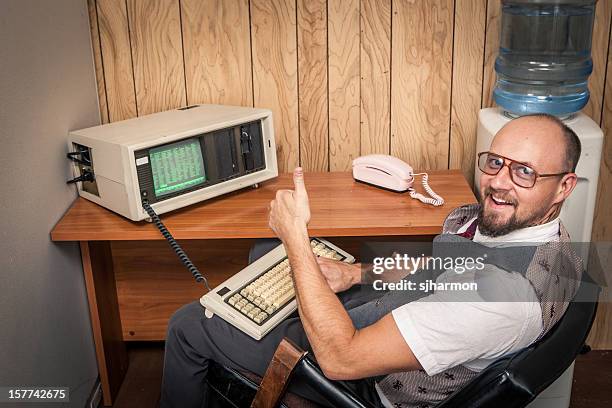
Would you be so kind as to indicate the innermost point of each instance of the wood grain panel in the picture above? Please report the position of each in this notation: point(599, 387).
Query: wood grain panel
point(275, 82)
point(468, 60)
point(600, 337)
point(599, 53)
point(97, 56)
point(602, 223)
point(145, 306)
point(421, 78)
point(217, 46)
point(117, 59)
point(375, 63)
point(601, 333)
point(491, 50)
point(344, 111)
point(159, 77)
point(312, 73)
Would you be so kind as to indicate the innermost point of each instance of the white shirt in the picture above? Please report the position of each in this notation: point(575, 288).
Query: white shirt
point(446, 329)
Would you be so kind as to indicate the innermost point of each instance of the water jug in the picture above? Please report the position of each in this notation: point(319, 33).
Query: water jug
point(544, 57)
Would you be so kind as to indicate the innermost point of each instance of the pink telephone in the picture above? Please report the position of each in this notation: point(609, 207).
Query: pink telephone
point(391, 173)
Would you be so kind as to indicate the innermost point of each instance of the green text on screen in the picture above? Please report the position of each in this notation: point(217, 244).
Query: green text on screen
point(177, 166)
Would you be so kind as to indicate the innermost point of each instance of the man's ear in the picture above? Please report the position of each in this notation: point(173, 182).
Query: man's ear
point(566, 186)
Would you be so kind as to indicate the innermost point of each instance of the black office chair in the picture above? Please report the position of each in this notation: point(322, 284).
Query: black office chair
point(511, 381)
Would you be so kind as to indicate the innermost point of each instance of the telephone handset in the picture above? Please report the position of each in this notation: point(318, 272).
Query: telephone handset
point(392, 173)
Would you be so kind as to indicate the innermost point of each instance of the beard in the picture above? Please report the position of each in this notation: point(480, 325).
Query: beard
point(489, 224)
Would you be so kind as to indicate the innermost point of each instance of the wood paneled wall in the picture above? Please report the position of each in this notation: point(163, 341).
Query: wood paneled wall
point(343, 77)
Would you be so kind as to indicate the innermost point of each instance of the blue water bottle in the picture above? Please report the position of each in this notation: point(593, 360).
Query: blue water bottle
point(544, 57)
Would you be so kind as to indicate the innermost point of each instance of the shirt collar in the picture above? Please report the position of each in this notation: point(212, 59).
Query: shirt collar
point(537, 234)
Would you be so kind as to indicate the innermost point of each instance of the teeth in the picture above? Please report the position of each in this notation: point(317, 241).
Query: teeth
point(497, 200)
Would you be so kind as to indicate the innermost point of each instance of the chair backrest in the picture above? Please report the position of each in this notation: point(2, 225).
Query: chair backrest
point(515, 380)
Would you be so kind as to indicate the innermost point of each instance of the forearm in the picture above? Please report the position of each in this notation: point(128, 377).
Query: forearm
point(326, 323)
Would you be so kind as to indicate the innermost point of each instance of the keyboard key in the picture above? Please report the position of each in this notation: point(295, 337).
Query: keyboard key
point(260, 317)
point(283, 298)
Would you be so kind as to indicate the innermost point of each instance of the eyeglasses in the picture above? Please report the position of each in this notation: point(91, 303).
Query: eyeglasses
point(521, 174)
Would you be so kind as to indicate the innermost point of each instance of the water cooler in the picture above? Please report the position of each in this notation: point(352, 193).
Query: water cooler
point(543, 66)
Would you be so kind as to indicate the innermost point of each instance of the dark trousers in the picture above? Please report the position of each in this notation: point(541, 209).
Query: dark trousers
point(193, 340)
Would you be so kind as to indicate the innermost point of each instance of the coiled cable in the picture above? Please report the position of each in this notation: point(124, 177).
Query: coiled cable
point(436, 200)
point(174, 245)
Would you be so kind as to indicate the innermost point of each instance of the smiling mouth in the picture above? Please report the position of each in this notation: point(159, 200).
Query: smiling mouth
point(500, 202)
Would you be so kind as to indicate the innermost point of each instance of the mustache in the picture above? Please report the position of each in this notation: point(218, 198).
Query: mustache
point(504, 196)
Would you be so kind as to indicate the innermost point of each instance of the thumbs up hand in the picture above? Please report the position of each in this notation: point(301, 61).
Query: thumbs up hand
point(290, 210)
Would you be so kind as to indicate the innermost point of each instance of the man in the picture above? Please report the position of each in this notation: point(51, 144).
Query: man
point(419, 348)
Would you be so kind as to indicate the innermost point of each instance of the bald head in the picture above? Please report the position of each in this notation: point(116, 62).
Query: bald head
point(567, 137)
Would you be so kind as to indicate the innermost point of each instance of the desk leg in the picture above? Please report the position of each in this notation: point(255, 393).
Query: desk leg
point(104, 312)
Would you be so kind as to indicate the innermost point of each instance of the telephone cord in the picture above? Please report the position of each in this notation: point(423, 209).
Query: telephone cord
point(175, 245)
point(436, 200)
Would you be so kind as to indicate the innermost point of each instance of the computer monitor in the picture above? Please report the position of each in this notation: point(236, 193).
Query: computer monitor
point(177, 167)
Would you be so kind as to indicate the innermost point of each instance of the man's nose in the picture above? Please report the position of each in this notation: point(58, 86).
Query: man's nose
point(502, 180)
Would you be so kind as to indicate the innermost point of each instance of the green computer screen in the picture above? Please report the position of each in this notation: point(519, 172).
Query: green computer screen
point(177, 166)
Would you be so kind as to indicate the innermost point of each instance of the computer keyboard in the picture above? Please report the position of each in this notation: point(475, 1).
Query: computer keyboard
point(259, 297)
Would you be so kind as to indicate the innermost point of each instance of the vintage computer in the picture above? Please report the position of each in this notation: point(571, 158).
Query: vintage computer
point(173, 159)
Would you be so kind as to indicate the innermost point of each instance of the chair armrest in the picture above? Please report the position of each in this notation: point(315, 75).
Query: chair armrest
point(337, 393)
point(278, 374)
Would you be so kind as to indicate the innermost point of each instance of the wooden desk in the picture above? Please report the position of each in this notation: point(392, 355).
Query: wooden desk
point(135, 282)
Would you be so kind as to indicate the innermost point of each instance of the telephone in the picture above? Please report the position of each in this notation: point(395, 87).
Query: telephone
point(391, 173)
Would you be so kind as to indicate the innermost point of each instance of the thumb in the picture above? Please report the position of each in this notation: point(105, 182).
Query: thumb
point(298, 182)
point(300, 195)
